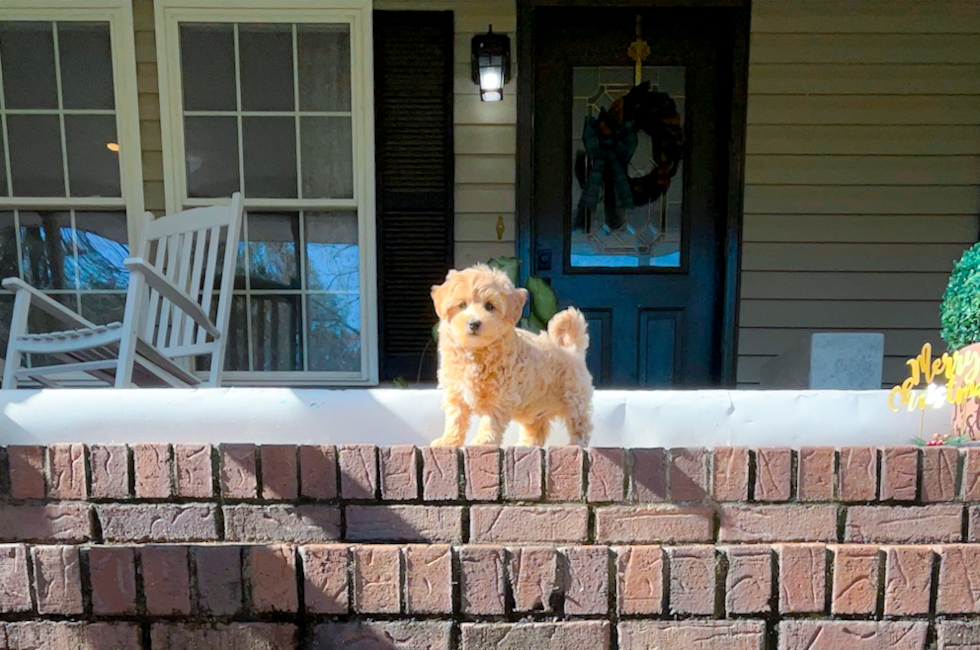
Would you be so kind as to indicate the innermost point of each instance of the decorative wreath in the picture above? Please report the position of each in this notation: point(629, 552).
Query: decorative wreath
point(610, 141)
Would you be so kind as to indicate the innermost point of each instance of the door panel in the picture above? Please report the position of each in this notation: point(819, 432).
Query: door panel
point(639, 252)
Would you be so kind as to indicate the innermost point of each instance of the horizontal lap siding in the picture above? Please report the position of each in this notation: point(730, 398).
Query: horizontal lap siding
point(862, 171)
point(149, 102)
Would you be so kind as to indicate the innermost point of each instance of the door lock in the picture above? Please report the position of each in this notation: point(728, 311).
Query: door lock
point(544, 259)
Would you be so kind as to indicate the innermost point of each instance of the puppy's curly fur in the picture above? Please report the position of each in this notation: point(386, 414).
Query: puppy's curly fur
point(491, 368)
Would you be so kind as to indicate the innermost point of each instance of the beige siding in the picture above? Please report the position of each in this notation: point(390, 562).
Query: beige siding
point(862, 170)
point(149, 101)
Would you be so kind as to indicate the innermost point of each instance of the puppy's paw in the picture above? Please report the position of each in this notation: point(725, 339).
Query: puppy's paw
point(447, 441)
point(485, 438)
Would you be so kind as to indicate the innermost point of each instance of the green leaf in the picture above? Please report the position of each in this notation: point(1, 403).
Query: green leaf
point(509, 265)
point(536, 325)
point(435, 333)
point(544, 303)
point(400, 382)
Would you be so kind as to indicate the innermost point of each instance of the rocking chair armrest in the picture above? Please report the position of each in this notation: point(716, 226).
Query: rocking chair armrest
point(171, 292)
point(47, 304)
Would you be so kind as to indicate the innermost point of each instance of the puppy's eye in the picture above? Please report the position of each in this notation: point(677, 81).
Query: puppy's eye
point(462, 305)
point(488, 306)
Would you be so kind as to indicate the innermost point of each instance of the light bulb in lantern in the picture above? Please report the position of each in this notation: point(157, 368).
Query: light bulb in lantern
point(490, 79)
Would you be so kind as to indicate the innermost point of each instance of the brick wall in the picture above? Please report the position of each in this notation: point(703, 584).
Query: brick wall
point(177, 547)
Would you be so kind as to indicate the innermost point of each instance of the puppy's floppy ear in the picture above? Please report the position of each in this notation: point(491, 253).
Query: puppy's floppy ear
point(440, 293)
point(515, 305)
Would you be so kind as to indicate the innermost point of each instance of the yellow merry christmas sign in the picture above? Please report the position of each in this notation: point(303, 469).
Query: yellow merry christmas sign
point(955, 376)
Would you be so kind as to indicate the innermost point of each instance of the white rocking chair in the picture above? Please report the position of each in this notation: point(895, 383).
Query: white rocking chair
point(166, 324)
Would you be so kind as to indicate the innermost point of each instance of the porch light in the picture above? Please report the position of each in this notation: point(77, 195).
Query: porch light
point(112, 146)
point(491, 64)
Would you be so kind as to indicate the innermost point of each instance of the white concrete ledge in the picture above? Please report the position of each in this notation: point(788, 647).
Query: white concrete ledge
point(390, 416)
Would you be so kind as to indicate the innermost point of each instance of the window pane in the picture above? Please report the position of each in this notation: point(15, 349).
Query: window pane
point(27, 52)
point(211, 147)
point(207, 56)
point(270, 156)
point(101, 239)
point(103, 308)
point(8, 249)
point(4, 190)
point(46, 247)
point(6, 314)
point(236, 352)
point(324, 67)
point(335, 332)
point(266, 53)
point(332, 253)
point(93, 169)
point(328, 168)
point(85, 52)
point(36, 166)
point(273, 249)
point(277, 339)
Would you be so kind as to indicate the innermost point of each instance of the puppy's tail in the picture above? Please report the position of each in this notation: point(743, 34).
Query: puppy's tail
point(568, 329)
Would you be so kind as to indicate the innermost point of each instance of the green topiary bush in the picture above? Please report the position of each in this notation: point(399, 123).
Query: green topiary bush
point(960, 310)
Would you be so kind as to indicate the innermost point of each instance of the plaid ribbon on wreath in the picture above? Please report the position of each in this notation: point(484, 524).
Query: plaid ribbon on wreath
point(610, 155)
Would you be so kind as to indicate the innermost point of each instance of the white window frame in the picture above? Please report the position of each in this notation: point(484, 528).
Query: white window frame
point(119, 15)
point(358, 15)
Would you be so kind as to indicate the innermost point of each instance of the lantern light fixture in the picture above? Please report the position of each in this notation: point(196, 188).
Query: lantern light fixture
point(491, 64)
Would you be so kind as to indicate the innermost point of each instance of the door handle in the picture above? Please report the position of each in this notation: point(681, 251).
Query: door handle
point(544, 259)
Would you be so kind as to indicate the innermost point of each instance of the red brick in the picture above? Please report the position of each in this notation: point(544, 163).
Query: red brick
point(64, 635)
point(648, 475)
point(15, 590)
point(731, 473)
point(899, 473)
point(748, 582)
point(586, 580)
point(852, 635)
point(640, 580)
point(802, 578)
point(858, 474)
point(219, 579)
point(195, 476)
point(855, 587)
point(904, 524)
point(702, 635)
point(440, 473)
point(405, 523)
point(358, 471)
point(565, 480)
point(325, 578)
point(166, 580)
point(26, 471)
point(958, 593)
point(158, 522)
point(939, 467)
point(482, 580)
point(593, 635)
point(272, 571)
point(973, 518)
point(57, 580)
point(971, 474)
point(654, 524)
point(607, 475)
point(272, 523)
point(815, 474)
point(318, 471)
point(238, 476)
point(61, 522)
point(778, 524)
point(692, 579)
point(377, 579)
point(554, 524)
point(383, 635)
point(522, 473)
point(66, 471)
point(773, 472)
point(152, 466)
point(688, 474)
point(399, 474)
point(429, 579)
point(112, 574)
point(224, 636)
point(110, 471)
point(481, 465)
point(908, 580)
point(958, 635)
point(280, 472)
point(534, 578)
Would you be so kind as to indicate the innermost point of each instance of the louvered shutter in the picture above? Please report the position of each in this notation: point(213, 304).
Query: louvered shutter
point(413, 59)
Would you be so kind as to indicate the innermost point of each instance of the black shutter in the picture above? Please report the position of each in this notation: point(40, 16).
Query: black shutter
point(413, 62)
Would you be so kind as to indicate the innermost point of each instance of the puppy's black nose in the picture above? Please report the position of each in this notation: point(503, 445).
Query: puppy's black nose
point(474, 325)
